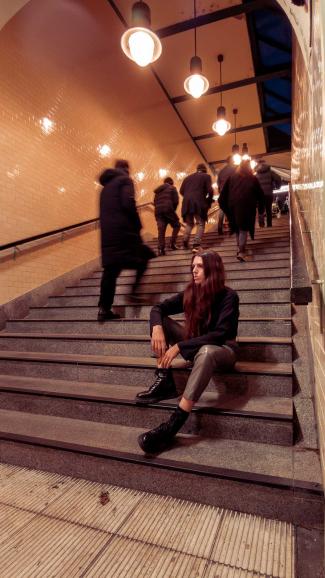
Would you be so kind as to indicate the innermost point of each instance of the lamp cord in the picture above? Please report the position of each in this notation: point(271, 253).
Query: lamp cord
point(235, 127)
point(194, 27)
point(220, 82)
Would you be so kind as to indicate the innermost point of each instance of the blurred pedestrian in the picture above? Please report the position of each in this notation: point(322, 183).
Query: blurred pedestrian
point(268, 180)
point(121, 243)
point(166, 202)
point(240, 197)
point(226, 172)
point(197, 193)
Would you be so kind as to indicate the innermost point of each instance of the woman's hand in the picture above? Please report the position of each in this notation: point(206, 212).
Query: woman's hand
point(170, 354)
point(158, 341)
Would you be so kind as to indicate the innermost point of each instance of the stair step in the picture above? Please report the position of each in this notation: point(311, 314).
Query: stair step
point(235, 474)
point(89, 296)
point(233, 270)
point(180, 274)
point(80, 320)
point(218, 415)
point(260, 349)
point(162, 286)
point(258, 378)
point(183, 259)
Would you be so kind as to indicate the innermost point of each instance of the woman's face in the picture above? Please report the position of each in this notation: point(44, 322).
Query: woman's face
point(198, 270)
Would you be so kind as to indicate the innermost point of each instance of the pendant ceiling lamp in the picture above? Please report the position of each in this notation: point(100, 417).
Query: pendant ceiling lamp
point(196, 84)
point(244, 152)
point(236, 158)
point(221, 125)
point(139, 43)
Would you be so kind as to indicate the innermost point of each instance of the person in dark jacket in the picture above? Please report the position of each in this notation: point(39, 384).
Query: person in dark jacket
point(240, 197)
point(120, 226)
point(226, 172)
point(166, 202)
point(268, 180)
point(208, 342)
point(197, 193)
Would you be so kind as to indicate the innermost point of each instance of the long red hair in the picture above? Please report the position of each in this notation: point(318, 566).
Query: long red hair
point(198, 299)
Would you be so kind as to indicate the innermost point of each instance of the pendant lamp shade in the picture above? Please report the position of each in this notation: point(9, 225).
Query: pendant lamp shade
point(244, 152)
point(236, 157)
point(196, 84)
point(139, 43)
point(221, 125)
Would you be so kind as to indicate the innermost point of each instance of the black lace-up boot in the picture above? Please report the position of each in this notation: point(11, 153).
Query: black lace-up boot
point(162, 388)
point(158, 439)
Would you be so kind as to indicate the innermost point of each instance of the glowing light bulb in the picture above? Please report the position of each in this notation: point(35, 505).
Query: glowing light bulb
point(141, 47)
point(162, 173)
point(196, 85)
point(47, 125)
point(236, 159)
point(253, 164)
point(104, 150)
point(221, 126)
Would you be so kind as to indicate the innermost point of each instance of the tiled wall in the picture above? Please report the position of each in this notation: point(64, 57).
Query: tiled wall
point(62, 62)
point(308, 179)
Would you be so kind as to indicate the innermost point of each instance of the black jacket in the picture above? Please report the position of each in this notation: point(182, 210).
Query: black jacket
point(120, 223)
point(198, 195)
point(224, 175)
point(267, 178)
point(222, 328)
point(166, 200)
point(239, 198)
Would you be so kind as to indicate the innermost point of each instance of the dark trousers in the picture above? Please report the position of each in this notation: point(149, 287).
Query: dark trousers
point(210, 359)
point(108, 283)
point(162, 222)
point(268, 208)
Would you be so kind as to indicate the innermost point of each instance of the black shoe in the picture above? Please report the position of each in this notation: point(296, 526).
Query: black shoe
point(161, 252)
point(162, 437)
point(173, 247)
point(185, 244)
point(104, 315)
point(162, 388)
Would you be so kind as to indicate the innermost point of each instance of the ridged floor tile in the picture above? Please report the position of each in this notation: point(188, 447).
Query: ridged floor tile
point(11, 520)
point(81, 504)
point(32, 490)
point(125, 558)
point(255, 544)
point(48, 548)
point(177, 524)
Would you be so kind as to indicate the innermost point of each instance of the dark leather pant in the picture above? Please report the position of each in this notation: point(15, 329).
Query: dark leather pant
point(209, 359)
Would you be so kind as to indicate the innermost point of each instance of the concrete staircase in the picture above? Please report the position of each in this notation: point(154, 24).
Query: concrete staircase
point(67, 389)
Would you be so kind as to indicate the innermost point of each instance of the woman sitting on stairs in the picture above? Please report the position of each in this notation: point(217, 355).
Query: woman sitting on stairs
point(208, 341)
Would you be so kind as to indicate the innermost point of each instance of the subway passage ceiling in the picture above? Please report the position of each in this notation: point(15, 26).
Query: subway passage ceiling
point(255, 38)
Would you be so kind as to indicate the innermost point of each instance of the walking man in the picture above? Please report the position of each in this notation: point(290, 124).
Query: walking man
point(226, 172)
point(121, 243)
point(268, 180)
point(197, 193)
point(166, 202)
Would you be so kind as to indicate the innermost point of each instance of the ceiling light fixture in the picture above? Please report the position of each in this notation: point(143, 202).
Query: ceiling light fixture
point(244, 152)
point(139, 43)
point(196, 84)
point(221, 125)
point(236, 158)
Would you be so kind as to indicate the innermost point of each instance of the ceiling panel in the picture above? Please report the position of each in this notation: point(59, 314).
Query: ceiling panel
point(164, 13)
point(200, 114)
point(219, 148)
point(212, 39)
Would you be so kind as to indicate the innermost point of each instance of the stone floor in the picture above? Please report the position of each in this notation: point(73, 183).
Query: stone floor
point(56, 526)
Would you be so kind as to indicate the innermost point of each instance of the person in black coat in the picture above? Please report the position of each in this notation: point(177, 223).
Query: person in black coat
point(197, 193)
point(207, 341)
point(226, 172)
point(239, 198)
point(268, 180)
point(120, 226)
point(166, 202)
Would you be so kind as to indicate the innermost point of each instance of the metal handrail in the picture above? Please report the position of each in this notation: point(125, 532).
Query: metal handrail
point(26, 240)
